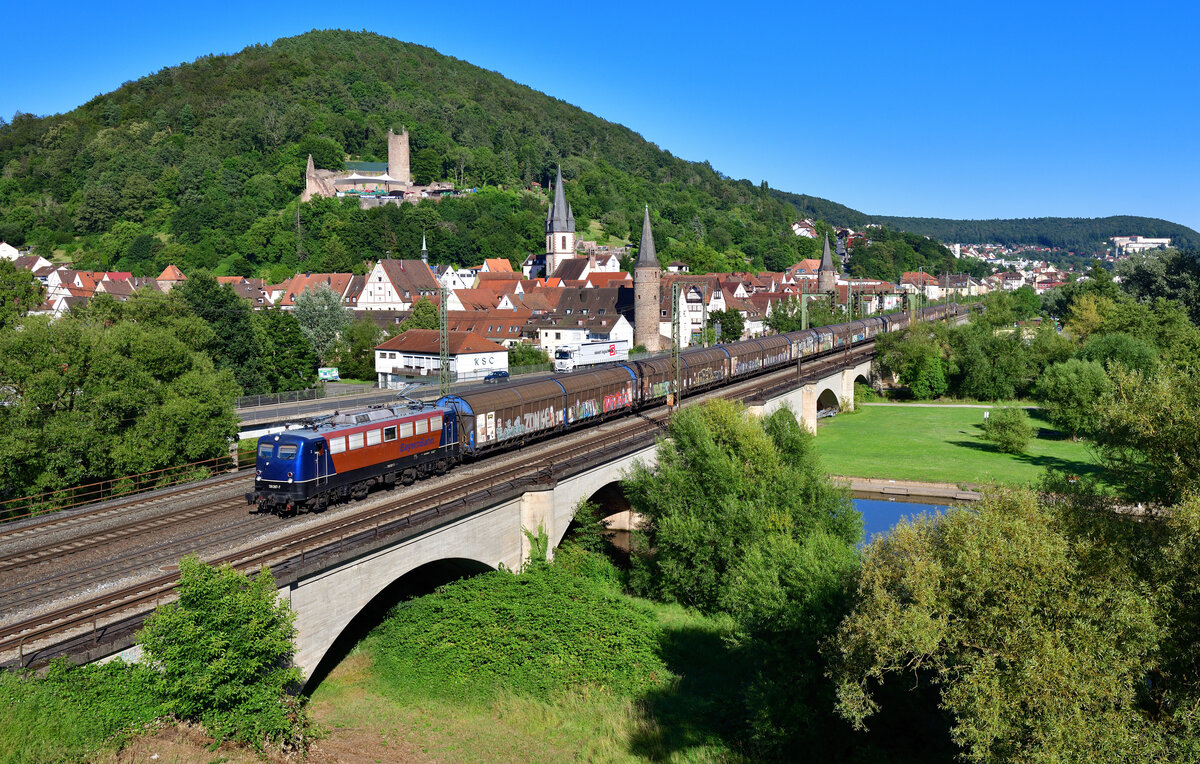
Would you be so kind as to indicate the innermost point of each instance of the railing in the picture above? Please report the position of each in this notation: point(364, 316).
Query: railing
point(126, 485)
point(295, 396)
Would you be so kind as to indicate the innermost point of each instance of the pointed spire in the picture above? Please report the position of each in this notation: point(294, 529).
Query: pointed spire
point(647, 257)
point(826, 258)
point(424, 249)
point(309, 169)
point(558, 219)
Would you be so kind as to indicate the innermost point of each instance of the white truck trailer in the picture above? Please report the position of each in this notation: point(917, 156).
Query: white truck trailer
point(572, 357)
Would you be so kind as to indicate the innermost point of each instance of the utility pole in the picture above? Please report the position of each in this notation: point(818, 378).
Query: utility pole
point(444, 343)
point(676, 330)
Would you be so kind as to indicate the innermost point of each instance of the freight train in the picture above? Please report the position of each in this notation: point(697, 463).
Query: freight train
point(342, 456)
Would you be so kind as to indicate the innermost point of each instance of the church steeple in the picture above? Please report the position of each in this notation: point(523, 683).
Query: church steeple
point(560, 219)
point(424, 250)
point(560, 228)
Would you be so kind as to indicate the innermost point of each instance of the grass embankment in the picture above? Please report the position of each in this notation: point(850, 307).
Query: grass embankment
point(940, 444)
point(545, 666)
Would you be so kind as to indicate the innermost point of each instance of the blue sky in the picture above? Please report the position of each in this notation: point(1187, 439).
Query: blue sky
point(964, 110)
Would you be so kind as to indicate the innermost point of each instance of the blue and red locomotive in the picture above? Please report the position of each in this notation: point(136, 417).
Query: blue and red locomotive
point(343, 456)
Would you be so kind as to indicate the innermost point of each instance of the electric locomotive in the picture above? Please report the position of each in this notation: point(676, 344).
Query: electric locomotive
point(341, 456)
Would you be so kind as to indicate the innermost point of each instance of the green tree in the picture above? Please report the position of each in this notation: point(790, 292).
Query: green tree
point(723, 483)
point(1070, 392)
point(1146, 433)
point(1118, 347)
point(225, 651)
point(424, 315)
point(357, 361)
point(740, 520)
point(732, 324)
point(1008, 427)
point(1037, 654)
point(20, 292)
point(116, 389)
point(525, 354)
point(322, 319)
point(232, 346)
point(284, 357)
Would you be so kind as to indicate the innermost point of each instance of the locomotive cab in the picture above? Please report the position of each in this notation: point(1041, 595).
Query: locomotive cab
point(287, 469)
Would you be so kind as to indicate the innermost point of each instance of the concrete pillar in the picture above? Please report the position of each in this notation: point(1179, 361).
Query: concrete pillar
point(808, 408)
point(537, 510)
point(847, 396)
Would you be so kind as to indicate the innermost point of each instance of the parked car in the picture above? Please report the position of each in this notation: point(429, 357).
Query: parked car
point(496, 377)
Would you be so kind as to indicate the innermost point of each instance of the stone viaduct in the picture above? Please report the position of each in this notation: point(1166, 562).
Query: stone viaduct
point(327, 601)
point(336, 600)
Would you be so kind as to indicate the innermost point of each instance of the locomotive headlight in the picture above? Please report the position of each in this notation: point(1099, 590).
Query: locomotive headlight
point(289, 480)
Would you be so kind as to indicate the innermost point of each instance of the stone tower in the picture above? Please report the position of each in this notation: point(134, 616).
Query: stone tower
point(397, 165)
point(647, 278)
point(826, 275)
point(560, 228)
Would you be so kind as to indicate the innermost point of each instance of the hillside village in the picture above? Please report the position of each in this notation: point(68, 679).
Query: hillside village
point(574, 292)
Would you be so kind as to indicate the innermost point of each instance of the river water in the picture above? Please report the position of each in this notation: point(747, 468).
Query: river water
point(881, 515)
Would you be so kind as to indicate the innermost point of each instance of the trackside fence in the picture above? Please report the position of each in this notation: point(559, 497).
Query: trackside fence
point(126, 485)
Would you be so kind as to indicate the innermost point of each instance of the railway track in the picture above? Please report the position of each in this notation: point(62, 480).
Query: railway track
point(415, 506)
point(74, 518)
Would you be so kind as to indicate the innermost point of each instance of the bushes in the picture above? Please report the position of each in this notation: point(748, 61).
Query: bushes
point(1008, 427)
point(224, 650)
point(72, 712)
point(544, 631)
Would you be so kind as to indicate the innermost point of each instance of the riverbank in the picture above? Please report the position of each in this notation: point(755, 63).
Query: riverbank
point(907, 490)
point(940, 444)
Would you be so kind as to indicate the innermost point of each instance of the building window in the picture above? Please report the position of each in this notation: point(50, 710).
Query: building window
point(564, 246)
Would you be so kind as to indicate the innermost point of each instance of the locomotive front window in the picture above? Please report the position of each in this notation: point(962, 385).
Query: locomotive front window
point(287, 451)
point(265, 449)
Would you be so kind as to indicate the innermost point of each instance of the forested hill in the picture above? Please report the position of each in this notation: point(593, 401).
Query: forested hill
point(201, 164)
point(1087, 234)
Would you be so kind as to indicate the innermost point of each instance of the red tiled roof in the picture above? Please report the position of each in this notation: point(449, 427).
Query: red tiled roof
point(171, 273)
point(427, 342)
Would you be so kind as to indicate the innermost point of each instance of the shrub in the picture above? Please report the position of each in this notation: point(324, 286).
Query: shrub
point(540, 632)
point(1008, 427)
point(224, 650)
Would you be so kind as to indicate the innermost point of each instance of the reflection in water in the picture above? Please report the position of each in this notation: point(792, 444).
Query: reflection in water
point(881, 515)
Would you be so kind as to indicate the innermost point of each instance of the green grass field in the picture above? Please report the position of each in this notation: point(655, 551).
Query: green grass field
point(940, 444)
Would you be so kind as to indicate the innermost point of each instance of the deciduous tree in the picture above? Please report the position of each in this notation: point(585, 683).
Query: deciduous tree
point(322, 319)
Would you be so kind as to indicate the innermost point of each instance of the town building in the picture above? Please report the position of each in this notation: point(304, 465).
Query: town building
point(416, 353)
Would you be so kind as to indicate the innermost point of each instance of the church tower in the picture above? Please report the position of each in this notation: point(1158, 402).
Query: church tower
point(560, 228)
point(647, 277)
point(826, 275)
